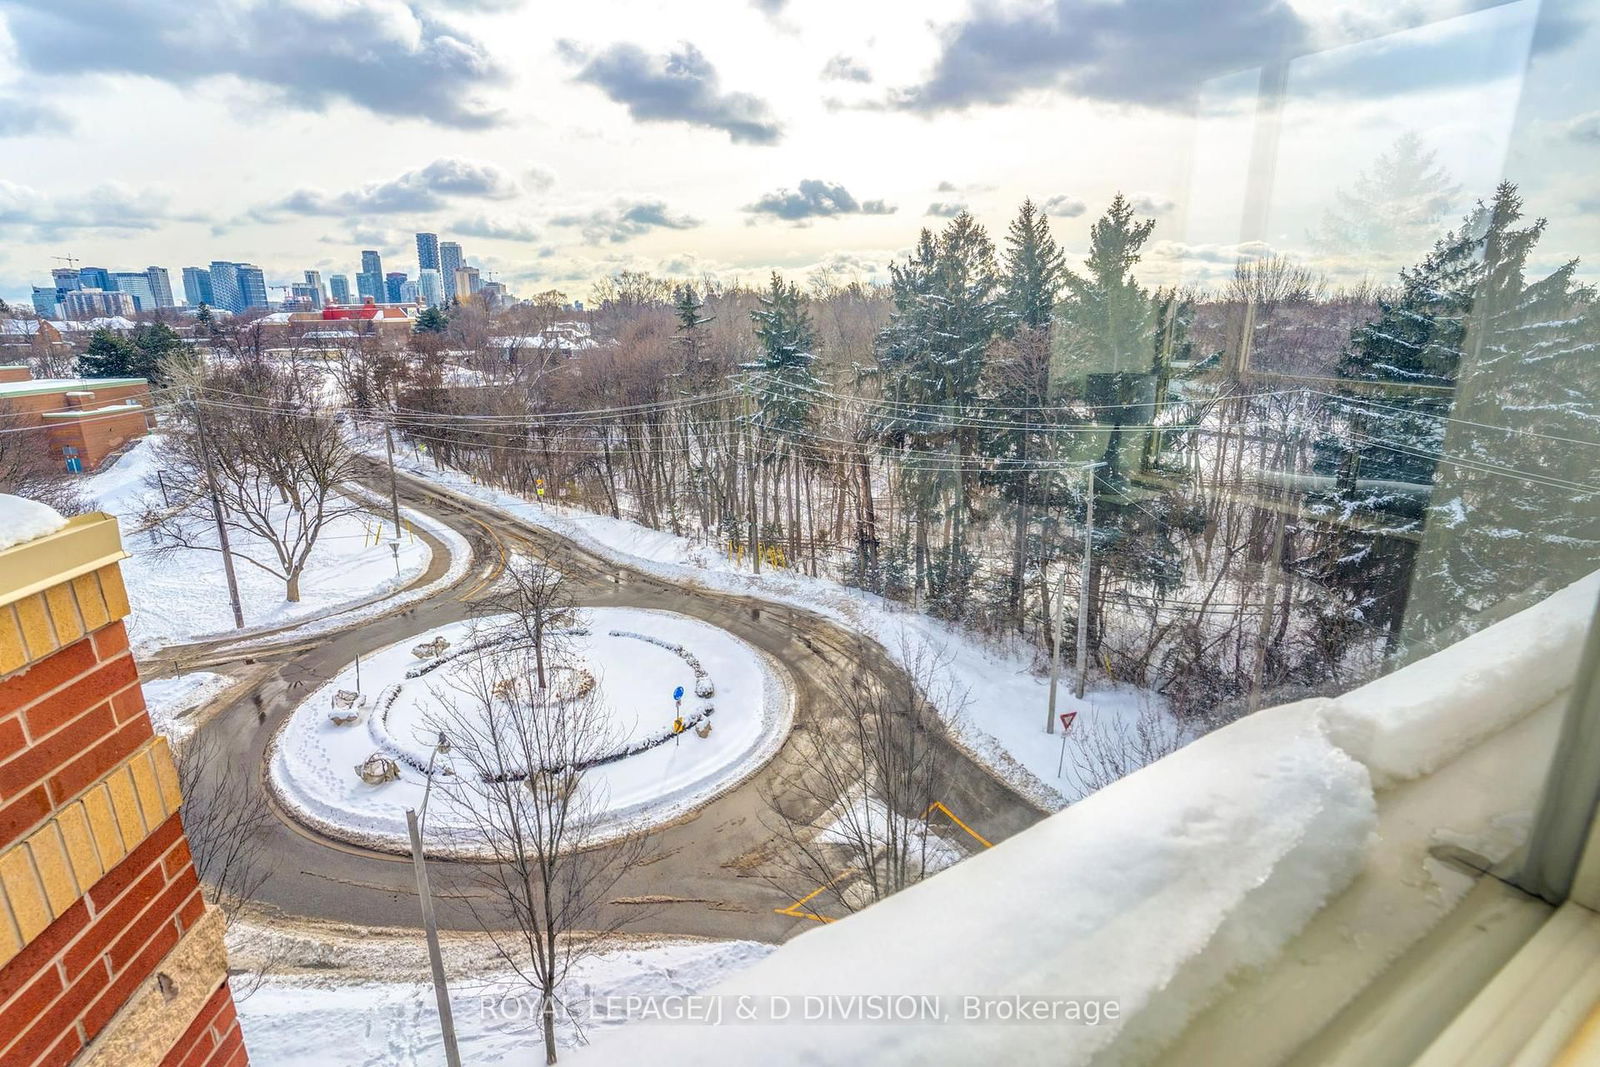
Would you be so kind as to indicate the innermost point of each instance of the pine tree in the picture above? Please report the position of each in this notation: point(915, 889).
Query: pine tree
point(108, 355)
point(1475, 420)
point(431, 320)
point(1017, 384)
point(155, 343)
point(784, 384)
point(1392, 210)
point(1107, 323)
point(946, 313)
point(1034, 270)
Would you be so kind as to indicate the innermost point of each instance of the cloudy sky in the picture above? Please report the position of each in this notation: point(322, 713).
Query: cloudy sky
point(560, 143)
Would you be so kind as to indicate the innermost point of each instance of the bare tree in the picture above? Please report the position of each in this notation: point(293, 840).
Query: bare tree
point(225, 818)
point(530, 805)
point(1108, 747)
point(853, 816)
point(536, 597)
point(277, 463)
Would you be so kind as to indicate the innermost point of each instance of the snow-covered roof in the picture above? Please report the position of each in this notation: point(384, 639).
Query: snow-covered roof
point(19, 327)
point(105, 322)
point(26, 520)
point(78, 413)
point(64, 385)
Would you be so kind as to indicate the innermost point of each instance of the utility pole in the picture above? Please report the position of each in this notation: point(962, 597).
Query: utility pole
point(1055, 651)
point(755, 497)
point(441, 991)
point(216, 514)
point(1083, 592)
point(394, 491)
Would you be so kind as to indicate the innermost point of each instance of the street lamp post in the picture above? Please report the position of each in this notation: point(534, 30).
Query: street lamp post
point(441, 992)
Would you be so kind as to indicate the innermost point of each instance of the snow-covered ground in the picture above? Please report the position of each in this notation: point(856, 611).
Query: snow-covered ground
point(184, 596)
point(1004, 719)
point(171, 700)
point(312, 768)
point(367, 1002)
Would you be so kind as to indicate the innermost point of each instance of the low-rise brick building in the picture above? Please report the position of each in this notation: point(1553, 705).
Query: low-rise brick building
point(109, 955)
point(83, 420)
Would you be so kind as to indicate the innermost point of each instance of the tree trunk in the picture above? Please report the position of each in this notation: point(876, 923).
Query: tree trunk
point(292, 593)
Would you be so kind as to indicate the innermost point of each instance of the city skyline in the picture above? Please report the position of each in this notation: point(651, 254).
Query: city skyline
point(761, 136)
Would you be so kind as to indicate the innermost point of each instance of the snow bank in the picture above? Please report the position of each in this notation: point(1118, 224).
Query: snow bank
point(325, 1020)
point(1410, 723)
point(170, 700)
point(24, 520)
point(1149, 893)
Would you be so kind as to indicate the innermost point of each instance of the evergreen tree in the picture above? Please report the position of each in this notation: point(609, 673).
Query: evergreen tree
point(431, 320)
point(1034, 270)
point(1017, 385)
point(946, 313)
point(1107, 324)
point(1392, 210)
point(785, 385)
point(108, 355)
point(1475, 420)
point(155, 344)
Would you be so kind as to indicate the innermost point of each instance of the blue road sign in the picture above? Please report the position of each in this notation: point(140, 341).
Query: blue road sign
point(677, 694)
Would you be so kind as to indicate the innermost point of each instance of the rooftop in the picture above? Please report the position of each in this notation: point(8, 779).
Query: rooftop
point(63, 385)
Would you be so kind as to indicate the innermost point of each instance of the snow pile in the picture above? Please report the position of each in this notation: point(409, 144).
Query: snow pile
point(1149, 893)
point(25, 520)
point(170, 700)
point(656, 778)
point(1410, 723)
point(321, 1020)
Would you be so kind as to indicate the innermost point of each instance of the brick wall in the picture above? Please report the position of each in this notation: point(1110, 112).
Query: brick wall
point(109, 954)
point(64, 724)
point(213, 1039)
point(59, 992)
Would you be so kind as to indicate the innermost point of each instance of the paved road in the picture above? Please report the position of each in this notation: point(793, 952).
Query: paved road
point(713, 872)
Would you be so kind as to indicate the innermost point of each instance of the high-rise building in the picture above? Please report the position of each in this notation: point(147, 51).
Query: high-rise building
point(369, 283)
point(252, 287)
point(449, 263)
point(137, 285)
point(67, 278)
point(225, 285)
point(97, 303)
point(394, 284)
point(303, 296)
point(427, 251)
point(467, 282)
point(338, 289)
point(94, 278)
point(160, 286)
point(430, 288)
point(197, 287)
point(318, 296)
point(408, 292)
point(45, 302)
point(494, 295)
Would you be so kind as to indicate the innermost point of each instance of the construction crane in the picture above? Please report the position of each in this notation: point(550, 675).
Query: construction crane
point(71, 261)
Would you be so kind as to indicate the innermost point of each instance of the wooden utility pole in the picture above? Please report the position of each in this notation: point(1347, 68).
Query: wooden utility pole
point(216, 514)
point(1083, 591)
point(394, 491)
point(1055, 652)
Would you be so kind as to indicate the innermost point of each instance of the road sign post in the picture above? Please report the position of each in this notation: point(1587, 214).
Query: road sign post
point(1067, 719)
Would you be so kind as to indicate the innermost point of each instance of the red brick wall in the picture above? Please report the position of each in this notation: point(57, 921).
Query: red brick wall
point(64, 723)
point(65, 985)
point(213, 1039)
point(96, 435)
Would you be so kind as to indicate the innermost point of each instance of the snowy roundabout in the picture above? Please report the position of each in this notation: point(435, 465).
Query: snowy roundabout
point(352, 758)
